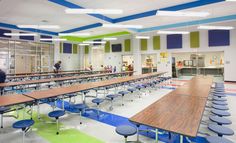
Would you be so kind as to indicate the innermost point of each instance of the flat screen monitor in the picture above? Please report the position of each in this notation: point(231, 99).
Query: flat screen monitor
point(116, 47)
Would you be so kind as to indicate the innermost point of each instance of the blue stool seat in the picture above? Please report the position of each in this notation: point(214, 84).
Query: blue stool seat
point(56, 114)
point(85, 91)
point(220, 103)
point(112, 96)
point(220, 113)
point(80, 106)
point(139, 86)
point(220, 107)
point(70, 95)
point(219, 95)
point(219, 99)
point(220, 120)
point(123, 92)
point(23, 124)
point(220, 130)
point(215, 139)
point(131, 89)
point(126, 130)
point(4, 109)
point(97, 100)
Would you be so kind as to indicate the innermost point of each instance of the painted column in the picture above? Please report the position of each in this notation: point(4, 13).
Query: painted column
point(137, 55)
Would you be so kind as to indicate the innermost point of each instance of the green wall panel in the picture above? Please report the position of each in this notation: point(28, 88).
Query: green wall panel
point(61, 44)
point(107, 47)
point(75, 49)
point(156, 42)
point(127, 45)
point(86, 50)
point(194, 39)
point(143, 44)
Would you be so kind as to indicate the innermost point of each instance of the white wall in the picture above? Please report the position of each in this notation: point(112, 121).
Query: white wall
point(115, 59)
point(229, 53)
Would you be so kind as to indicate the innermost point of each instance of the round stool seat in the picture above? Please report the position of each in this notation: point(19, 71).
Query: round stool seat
point(23, 124)
point(80, 106)
point(97, 100)
point(220, 112)
point(220, 130)
point(139, 86)
point(112, 96)
point(220, 120)
point(71, 95)
point(220, 107)
point(123, 92)
point(219, 99)
point(4, 109)
point(215, 139)
point(219, 95)
point(85, 91)
point(220, 103)
point(56, 113)
point(126, 130)
point(131, 89)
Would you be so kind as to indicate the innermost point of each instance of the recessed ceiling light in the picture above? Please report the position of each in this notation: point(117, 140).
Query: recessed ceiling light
point(52, 39)
point(215, 27)
point(142, 37)
point(110, 39)
point(93, 11)
point(74, 34)
point(182, 14)
point(39, 26)
point(20, 34)
point(172, 32)
point(122, 26)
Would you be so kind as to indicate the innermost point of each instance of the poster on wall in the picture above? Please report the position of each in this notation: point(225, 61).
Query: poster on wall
point(164, 57)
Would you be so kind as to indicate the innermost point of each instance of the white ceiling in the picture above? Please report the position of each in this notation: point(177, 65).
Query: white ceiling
point(216, 10)
point(34, 11)
point(129, 7)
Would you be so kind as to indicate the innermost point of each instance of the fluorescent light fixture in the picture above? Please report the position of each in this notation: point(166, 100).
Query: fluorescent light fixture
point(142, 37)
point(182, 14)
point(215, 27)
point(110, 39)
point(39, 26)
point(20, 34)
point(93, 11)
point(94, 42)
point(74, 34)
point(83, 44)
point(52, 39)
point(121, 26)
point(172, 32)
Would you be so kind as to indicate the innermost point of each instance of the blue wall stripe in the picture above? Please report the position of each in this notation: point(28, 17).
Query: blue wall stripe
point(27, 29)
point(72, 5)
point(190, 23)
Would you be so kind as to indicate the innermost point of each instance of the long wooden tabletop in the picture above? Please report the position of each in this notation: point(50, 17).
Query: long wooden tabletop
point(28, 82)
point(180, 111)
point(14, 99)
point(49, 74)
point(86, 86)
